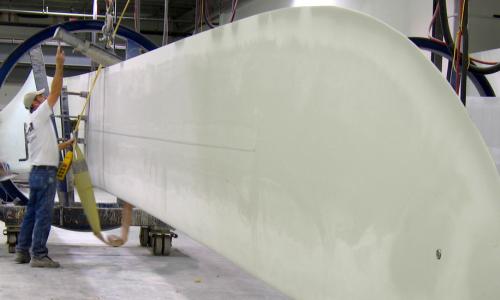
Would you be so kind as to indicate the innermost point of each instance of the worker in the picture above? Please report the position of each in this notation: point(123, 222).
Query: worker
point(44, 158)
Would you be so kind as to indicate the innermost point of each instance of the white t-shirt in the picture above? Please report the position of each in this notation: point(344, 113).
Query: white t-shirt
point(42, 142)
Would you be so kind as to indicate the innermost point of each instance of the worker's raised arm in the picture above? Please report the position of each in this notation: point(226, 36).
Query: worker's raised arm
point(57, 81)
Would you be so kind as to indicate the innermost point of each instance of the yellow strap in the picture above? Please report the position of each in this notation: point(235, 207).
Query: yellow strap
point(87, 100)
point(120, 19)
point(98, 72)
point(117, 241)
point(83, 185)
point(83, 182)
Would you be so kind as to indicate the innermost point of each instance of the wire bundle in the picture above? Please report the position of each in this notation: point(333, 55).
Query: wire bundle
point(448, 40)
point(458, 45)
point(202, 14)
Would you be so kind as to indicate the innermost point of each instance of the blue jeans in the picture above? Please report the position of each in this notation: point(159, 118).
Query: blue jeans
point(37, 220)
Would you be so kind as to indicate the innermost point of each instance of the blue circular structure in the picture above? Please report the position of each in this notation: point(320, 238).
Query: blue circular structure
point(47, 33)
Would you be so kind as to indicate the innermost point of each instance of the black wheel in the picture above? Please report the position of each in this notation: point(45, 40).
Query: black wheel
point(161, 245)
point(144, 239)
point(12, 241)
point(167, 245)
point(157, 245)
point(11, 238)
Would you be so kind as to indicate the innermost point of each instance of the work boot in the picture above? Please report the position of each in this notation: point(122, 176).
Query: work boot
point(44, 262)
point(22, 257)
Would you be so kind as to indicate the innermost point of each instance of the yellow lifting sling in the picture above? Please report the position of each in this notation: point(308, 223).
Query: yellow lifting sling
point(83, 183)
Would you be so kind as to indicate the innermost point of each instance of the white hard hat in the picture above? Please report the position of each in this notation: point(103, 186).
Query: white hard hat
point(30, 97)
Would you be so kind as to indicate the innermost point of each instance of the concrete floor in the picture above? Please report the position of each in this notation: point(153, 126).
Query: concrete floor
point(92, 271)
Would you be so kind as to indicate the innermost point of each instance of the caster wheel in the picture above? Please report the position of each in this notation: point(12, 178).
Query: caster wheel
point(12, 238)
point(144, 238)
point(161, 245)
point(12, 241)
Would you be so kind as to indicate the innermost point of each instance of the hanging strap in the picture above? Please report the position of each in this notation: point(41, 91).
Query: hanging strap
point(83, 183)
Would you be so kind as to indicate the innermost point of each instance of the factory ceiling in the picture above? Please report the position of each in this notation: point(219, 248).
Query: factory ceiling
point(41, 13)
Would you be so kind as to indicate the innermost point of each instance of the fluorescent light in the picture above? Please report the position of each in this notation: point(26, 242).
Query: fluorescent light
point(314, 2)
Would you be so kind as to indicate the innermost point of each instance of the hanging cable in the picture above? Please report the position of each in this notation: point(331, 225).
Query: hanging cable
point(98, 72)
point(455, 62)
point(456, 52)
point(202, 14)
point(107, 29)
point(451, 44)
point(465, 63)
point(432, 24)
point(120, 19)
point(196, 17)
point(233, 9)
point(207, 15)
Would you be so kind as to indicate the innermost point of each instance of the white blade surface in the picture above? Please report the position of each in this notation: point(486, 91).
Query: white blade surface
point(315, 147)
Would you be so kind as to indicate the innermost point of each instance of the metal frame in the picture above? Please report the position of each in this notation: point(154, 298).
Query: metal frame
point(154, 233)
point(47, 33)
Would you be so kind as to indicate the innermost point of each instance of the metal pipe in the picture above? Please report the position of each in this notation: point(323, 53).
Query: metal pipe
point(165, 24)
point(60, 14)
point(465, 53)
point(137, 15)
point(94, 10)
point(94, 17)
point(47, 43)
point(436, 33)
point(95, 53)
point(114, 17)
